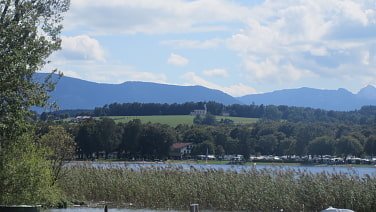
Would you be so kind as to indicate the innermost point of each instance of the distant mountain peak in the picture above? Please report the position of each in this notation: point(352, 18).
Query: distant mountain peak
point(368, 92)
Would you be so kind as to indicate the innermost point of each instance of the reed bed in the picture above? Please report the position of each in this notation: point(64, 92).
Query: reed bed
point(174, 187)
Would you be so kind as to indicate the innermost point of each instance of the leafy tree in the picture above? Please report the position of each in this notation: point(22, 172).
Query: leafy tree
point(109, 138)
point(87, 138)
point(196, 135)
point(25, 177)
point(370, 145)
point(287, 146)
point(220, 151)
point(208, 119)
point(348, 145)
point(307, 133)
point(200, 149)
point(23, 51)
point(323, 145)
point(272, 113)
point(156, 140)
point(267, 144)
point(246, 144)
point(198, 119)
point(287, 128)
point(61, 148)
point(231, 146)
point(29, 32)
point(131, 137)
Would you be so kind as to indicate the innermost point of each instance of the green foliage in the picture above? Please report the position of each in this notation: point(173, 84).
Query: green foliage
point(26, 176)
point(323, 145)
point(107, 136)
point(23, 50)
point(155, 141)
point(175, 120)
point(348, 145)
point(208, 119)
point(28, 35)
point(265, 137)
point(60, 147)
point(370, 145)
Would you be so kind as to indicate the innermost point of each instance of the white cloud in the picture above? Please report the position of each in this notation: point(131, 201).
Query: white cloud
point(216, 72)
point(239, 90)
point(286, 41)
point(279, 42)
point(273, 70)
point(82, 48)
point(151, 16)
point(234, 90)
point(177, 60)
point(105, 73)
point(193, 44)
point(73, 74)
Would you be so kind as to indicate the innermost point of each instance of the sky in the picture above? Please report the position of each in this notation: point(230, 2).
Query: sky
point(239, 47)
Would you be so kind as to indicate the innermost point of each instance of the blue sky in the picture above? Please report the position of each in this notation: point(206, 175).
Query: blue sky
point(236, 46)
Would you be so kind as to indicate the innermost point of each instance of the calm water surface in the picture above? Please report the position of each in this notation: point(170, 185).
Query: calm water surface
point(116, 210)
point(361, 171)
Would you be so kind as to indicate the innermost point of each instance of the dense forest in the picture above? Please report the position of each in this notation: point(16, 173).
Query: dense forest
point(365, 115)
point(281, 130)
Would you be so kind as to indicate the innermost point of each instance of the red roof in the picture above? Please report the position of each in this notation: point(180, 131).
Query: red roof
point(180, 145)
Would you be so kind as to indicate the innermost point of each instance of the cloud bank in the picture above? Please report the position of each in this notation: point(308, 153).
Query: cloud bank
point(277, 42)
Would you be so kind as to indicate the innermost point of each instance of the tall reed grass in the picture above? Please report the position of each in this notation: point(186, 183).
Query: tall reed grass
point(174, 187)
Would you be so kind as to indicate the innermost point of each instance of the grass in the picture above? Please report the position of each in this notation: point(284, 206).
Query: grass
point(269, 189)
point(173, 121)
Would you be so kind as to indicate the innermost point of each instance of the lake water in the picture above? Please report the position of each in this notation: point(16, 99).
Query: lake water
point(361, 171)
point(109, 210)
point(118, 210)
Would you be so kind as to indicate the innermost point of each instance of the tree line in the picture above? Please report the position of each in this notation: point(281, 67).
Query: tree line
point(365, 115)
point(136, 140)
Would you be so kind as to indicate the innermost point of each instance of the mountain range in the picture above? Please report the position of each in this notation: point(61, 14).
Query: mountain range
point(339, 100)
point(72, 93)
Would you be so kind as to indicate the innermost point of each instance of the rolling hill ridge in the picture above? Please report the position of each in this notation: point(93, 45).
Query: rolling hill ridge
point(72, 93)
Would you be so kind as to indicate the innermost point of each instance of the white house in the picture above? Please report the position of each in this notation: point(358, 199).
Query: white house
point(181, 150)
point(200, 112)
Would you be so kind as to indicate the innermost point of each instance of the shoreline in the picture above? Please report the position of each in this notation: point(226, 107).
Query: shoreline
point(279, 163)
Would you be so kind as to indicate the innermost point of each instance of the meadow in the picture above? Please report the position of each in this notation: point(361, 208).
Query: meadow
point(173, 121)
point(269, 189)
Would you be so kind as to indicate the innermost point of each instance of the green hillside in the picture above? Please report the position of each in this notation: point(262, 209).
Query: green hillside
point(176, 120)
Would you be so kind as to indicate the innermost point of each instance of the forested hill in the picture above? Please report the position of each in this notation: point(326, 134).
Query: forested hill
point(72, 93)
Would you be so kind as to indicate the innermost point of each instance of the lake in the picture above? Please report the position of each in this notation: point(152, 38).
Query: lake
point(361, 171)
point(110, 210)
point(118, 210)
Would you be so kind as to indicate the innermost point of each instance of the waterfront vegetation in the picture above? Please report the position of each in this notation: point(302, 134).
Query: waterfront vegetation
point(269, 189)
